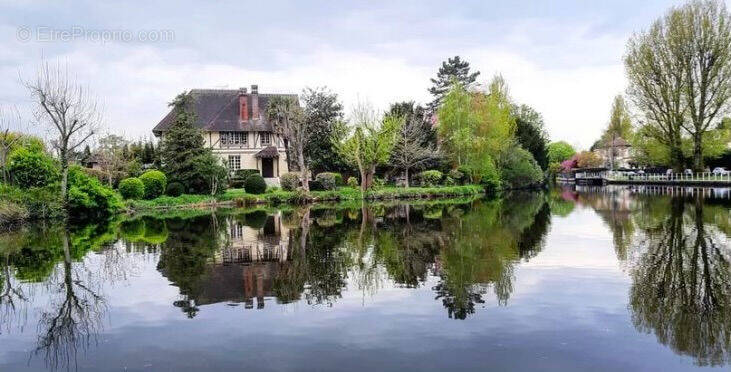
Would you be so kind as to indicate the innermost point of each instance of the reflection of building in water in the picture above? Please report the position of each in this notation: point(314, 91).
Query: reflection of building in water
point(246, 265)
point(246, 244)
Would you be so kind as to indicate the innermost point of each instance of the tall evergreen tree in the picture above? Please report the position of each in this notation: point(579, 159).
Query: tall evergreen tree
point(181, 145)
point(453, 70)
point(324, 114)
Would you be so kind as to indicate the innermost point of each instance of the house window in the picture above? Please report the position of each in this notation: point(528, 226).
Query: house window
point(234, 162)
point(233, 138)
point(266, 139)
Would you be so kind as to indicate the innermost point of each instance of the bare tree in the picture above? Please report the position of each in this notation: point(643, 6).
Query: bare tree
point(111, 157)
point(289, 122)
point(411, 149)
point(10, 123)
point(68, 109)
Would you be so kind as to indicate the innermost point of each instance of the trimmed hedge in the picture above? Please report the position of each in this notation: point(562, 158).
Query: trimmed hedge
point(430, 178)
point(329, 180)
point(255, 184)
point(132, 188)
point(155, 183)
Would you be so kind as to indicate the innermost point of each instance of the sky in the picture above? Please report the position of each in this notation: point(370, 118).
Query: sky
point(563, 58)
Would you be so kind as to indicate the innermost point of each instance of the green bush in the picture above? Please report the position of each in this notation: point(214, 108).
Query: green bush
point(353, 182)
point(520, 169)
point(490, 178)
point(316, 185)
point(88, 198)
point(11, 212)
point(32, 168)
point(41, 202)
point(328, 180)
point(430, 178)
point(457, 176)
point(132, 188)
point(255, 184)
point(245, 173)
point(155, 183)
point(289, 181)
point(175, 189)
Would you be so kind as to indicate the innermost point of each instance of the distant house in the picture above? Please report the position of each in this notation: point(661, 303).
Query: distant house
point(235, 126)
point(622, 153)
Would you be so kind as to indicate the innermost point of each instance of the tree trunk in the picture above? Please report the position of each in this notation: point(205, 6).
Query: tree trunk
point(676, 156)
point(64, 177)
point(697, 152)
point(363, 180)
point(407, 178)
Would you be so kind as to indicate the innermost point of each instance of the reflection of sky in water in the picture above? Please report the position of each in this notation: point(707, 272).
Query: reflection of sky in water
point(568, 310)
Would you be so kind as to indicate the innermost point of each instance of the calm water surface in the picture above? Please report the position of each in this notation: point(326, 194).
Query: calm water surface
point(573, 279)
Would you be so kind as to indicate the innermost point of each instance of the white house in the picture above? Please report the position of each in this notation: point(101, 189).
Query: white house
point(235, 126)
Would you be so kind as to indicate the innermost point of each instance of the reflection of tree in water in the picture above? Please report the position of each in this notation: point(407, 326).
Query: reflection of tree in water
point(184, 256)
point(484, 246)
point(73, 319)
point(681, 287)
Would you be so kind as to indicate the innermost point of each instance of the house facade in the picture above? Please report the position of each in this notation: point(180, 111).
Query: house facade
point(235, 127)
point(621, 149)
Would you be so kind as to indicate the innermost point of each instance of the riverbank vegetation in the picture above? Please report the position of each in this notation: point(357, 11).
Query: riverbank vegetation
point(467, 141)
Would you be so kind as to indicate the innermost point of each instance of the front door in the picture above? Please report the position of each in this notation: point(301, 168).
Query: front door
point(267, 168)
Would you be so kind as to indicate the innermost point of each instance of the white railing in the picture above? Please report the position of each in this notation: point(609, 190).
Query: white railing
point(660, 177)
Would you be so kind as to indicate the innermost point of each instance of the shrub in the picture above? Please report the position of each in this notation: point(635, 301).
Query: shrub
point(353, 182)
point(490, 177)
point(456, 176)
point(175, 189)
point(449, 181)
point(520, 169)
point(88, 198)
point(430, 177)
point(316, 185)
point(245, 173)
point(155, 183)
point(32, 168)
point(289, 181)
point(328, 180)
point(132, 188)
point(255, 185)
point(11, 212)
point(41, 202)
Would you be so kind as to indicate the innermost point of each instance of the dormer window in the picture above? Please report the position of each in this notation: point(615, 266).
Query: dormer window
point(266, 139)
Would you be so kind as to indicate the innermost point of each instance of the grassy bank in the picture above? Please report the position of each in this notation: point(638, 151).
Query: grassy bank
point(239, 197)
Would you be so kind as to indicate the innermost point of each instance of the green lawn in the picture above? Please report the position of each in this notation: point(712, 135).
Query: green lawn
point(239, 197)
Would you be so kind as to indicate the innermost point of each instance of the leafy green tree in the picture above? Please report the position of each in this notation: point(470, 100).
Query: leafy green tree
point(213, 171)
point(324, 114)
point(531, 134)
point(620, 126)
point(477, 127)
point(370, 143)
point(560, 151)
point(519, 169)
point(181, 145)
point(453, 70)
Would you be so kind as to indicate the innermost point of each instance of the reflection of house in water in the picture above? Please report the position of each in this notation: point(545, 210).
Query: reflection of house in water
point(246, 265)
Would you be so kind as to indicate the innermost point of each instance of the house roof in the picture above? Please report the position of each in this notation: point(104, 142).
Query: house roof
point(218, 110)
point(268, 153)
point(618, 142)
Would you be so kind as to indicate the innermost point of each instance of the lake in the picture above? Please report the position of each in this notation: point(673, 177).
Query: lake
point(576, 278)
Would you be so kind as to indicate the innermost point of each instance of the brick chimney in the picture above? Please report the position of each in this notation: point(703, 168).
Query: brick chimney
point(255, 102)
point(243, 106)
